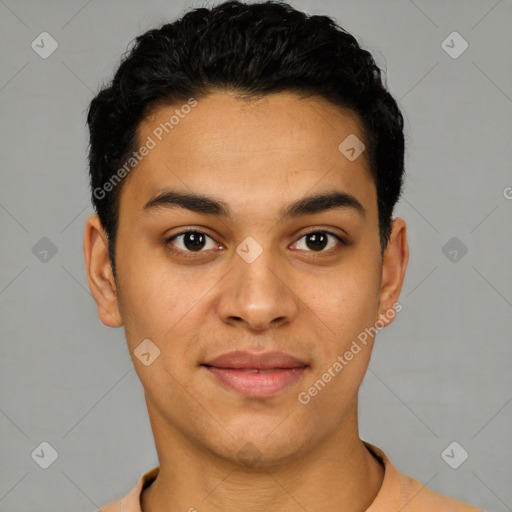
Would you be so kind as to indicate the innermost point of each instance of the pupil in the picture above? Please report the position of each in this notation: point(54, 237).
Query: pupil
point(318, 240)
point(194, 241)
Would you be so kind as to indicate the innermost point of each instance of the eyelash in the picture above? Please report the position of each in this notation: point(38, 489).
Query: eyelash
point(192, 254)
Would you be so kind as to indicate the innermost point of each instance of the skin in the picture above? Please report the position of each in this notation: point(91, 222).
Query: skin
point(258, 157)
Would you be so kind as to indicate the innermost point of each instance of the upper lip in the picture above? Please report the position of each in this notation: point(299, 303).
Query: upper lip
point(261, 361)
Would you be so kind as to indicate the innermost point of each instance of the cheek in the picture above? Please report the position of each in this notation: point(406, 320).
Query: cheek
point(151, 307)
point(147, 295)
point(345, 302)
point(161, 302)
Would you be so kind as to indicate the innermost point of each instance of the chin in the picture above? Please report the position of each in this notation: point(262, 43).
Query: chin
point(259, 445)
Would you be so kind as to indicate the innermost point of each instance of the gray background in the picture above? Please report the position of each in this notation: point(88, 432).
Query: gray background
point(440, 373)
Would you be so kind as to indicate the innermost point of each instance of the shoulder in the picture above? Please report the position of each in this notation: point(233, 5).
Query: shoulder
point(418, 498)
point(404, 493)
point(131, 501)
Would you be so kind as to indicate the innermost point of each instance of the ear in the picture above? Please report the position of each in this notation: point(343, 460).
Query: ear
point(394, 265)
point(99, 272)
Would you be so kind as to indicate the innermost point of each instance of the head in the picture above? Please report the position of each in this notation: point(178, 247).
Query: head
point(233, 122)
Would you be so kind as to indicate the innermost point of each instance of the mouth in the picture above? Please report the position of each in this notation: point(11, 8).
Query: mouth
point(256, 375)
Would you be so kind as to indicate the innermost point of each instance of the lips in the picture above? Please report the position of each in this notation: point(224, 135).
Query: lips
point(250, 361)
point(256, 375)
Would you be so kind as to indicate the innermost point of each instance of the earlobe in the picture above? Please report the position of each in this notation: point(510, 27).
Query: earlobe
point(394, 265)
point(99, 272)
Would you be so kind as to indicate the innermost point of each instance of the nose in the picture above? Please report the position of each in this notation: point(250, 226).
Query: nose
point(258, 295)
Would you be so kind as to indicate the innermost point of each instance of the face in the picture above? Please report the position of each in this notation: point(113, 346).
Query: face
point(279, 254)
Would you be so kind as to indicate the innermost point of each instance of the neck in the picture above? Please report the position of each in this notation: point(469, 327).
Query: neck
point(339, 473)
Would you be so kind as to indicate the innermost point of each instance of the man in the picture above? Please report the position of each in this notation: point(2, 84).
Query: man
point(245, 162)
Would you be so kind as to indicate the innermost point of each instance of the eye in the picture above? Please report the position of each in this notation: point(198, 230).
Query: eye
point(187, 243)
point(190, 241)
point(318, 240)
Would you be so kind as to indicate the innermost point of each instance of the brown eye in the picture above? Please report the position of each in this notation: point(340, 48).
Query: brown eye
point(190, 241)
point(317, 241)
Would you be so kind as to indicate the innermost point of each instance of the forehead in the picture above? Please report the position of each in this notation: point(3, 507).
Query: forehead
point(250, 151)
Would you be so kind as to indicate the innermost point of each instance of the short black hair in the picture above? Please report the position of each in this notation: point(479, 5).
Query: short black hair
point(251, 49)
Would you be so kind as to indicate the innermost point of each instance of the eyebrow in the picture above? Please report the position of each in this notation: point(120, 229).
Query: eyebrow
point(206, 205)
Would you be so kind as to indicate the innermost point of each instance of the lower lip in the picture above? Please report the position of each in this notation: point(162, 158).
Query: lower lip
point(257, 385)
